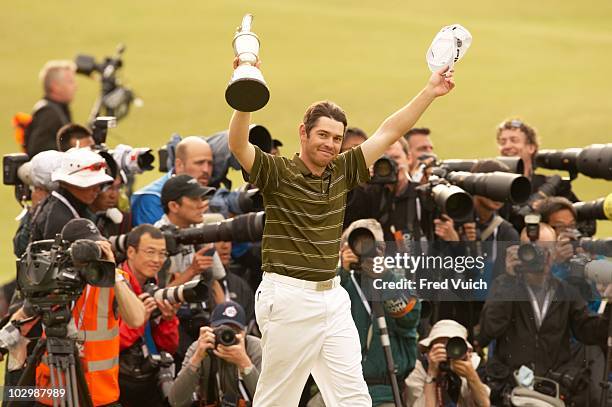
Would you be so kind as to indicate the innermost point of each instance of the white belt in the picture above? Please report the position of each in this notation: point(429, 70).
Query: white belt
point(296, 282)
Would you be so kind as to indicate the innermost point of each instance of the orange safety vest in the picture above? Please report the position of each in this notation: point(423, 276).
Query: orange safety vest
point(99, 328)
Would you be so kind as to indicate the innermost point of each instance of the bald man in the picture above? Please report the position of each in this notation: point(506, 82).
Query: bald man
point(193, 157)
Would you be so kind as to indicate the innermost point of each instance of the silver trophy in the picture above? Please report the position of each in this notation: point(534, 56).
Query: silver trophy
point(247, 90)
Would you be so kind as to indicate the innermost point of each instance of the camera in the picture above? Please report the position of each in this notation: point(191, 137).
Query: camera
point(385, 171)
point(363, 244)
point(130, 160)
point(225, 335)
point(600, 209)
point(115, 99)
point(15, 173)
point(531, 255)
point(456, 349)
point(54, 272)
point(515, 164)
point(192, 292)
point(448, 199)
point(594, 161)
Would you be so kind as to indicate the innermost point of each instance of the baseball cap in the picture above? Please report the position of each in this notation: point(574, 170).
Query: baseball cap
point(184, 185)
point(445, 328)
point(42, 166)
point(82, 168)
point(228, 312)
point(448, 47)
point(81, 228)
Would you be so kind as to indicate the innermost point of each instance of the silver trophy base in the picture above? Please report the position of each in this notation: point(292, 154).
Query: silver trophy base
point(247, 91)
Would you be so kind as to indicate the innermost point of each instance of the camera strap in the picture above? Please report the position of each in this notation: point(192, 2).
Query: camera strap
point(65, 202)
point(492, 230)
point(368, 309)
point(540, 314)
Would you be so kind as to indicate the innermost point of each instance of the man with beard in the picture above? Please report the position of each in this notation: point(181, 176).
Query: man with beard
point(299, 305)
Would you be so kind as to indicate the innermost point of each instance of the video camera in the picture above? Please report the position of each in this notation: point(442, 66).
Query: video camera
point(241, 228)
point(115, 99)
point(594, 161)
point(54, 273)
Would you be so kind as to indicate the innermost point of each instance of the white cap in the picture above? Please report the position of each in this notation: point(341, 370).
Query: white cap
point(448, 47)
point(82, 168)
point(445, 328)
point(42, 166)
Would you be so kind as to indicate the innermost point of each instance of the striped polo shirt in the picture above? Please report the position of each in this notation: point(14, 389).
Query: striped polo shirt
point(304, 212)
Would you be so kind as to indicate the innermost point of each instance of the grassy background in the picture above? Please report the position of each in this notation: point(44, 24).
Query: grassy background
point(546, 61)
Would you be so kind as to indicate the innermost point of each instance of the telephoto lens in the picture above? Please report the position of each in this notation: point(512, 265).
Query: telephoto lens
point(600, 209)
point(385, 171)
point(594, 161)
point(453, 201)
point(190, 292)
point(225, 335)
point(498, 186)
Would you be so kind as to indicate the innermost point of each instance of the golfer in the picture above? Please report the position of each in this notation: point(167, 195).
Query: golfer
point(302, 311)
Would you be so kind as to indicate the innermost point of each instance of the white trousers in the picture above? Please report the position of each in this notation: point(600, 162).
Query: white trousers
point(307, 331)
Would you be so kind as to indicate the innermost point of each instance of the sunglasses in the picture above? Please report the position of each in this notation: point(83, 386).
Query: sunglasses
point(93, 167)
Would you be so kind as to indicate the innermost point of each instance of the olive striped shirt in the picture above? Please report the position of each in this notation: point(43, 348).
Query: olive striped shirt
point(304, 212)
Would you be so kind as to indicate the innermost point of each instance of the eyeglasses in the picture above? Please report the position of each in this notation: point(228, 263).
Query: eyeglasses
point(92, 167)
point(512, 124)
point(152, 254)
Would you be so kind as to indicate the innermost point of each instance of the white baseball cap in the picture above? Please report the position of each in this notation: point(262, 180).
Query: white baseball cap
point(82, 168)
point(448, 47)
point(42, 167)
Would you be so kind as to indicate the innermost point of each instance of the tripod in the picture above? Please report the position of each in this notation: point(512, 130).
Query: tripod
point(66, 372)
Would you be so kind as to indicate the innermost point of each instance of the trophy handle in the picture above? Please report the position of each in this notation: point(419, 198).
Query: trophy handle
point(247, 21)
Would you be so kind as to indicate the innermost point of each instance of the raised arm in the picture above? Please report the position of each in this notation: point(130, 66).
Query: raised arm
point(398, 124)
point(238, 139)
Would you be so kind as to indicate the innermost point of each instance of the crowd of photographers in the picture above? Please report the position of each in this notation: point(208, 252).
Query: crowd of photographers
point(154, 289)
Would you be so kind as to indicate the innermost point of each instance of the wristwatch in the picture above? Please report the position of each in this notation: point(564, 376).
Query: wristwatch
point(246, 370)
point(429, 379)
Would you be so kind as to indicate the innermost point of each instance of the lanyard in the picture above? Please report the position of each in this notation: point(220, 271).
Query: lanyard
point(65, 202)
point(540, 314)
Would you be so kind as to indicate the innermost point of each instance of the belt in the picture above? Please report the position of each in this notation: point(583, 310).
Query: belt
point(296, 282)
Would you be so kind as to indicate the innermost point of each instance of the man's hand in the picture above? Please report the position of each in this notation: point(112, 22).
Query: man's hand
point(563, 249)
point(201, 262)
point(445, 229)
point(435, 356)
point(441, 82)
point(512, 259)
point(168, 310)
point(149, 304)
point(348, 257)
point(464, 368)
point(206, 341)
point(235, 354)
point(107, 251)
point(469, 230)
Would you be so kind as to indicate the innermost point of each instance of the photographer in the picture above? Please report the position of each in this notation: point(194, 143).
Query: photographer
point(74, 135)
point(394, 205)
point(222, 365)
point(41, 168)
point(80, 176)
point(516, 138)
point(436, 380)
point(138, 377)
point(353, 137)
point(110, 220)
point(194, 157)
point(52, 111)
point(402, 313)
point(532, 315)
point(95, 316)
point(420, 148)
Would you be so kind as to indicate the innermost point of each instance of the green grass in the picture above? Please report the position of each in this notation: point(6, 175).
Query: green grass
point(546, 61)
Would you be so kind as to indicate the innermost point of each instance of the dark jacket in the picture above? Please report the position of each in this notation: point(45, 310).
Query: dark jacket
point(520, 342)
point(53, 214)
point(47, 118)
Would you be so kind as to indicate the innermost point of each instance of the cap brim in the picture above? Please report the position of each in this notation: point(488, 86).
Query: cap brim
point(202, 192)
point(82, 182)
point(220, 322)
